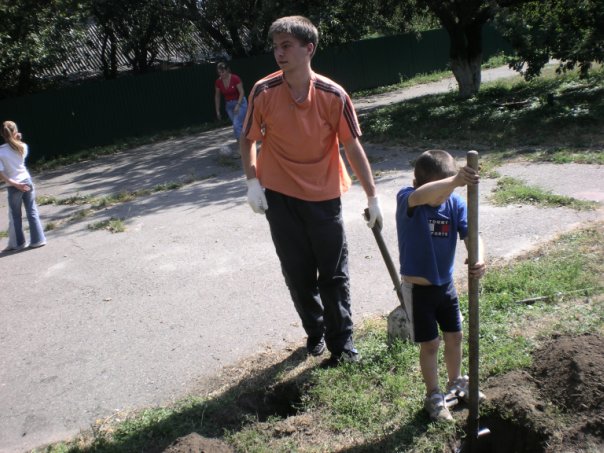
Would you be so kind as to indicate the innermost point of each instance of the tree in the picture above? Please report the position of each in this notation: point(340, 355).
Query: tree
point(240, 27)
point(35, 35)
point(140, 28)
point(463, 20)
point(571, 31)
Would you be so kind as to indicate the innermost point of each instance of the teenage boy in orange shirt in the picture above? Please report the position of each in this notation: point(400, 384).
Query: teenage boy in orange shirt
point(297, 180)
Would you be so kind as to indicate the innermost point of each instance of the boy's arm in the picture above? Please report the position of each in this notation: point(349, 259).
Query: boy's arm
point(360, 165)
point(437, 191)
point(247, 148)
point(362, 169)
point(478, 270)
point(255, 194)
point(217, 102)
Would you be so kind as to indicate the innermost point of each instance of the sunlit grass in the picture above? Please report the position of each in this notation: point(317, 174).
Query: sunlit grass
point(507, 113)
point(511, 190)
point(112, 224)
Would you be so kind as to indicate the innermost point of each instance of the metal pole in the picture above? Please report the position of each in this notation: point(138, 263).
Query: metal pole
point(473, 289)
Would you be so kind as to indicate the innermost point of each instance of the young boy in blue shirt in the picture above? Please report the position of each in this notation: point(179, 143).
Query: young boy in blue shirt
point(428, 217)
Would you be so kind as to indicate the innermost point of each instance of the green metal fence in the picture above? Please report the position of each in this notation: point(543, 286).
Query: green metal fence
point(64, 121)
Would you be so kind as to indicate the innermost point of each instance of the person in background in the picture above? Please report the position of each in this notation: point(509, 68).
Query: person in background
point(20, 187)
point(229, 85)
point(297, 180)
point(429, 218)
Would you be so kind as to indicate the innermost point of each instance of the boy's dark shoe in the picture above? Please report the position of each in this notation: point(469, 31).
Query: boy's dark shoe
point(315, 346)
point(351, 356)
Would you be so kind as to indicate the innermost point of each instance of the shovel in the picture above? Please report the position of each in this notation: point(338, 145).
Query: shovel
point(477, 438)
point(406, 327)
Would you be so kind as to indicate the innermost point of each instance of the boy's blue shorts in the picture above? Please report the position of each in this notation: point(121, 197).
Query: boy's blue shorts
point(431, 307)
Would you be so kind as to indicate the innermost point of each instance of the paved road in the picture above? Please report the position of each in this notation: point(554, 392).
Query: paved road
point(97, 322)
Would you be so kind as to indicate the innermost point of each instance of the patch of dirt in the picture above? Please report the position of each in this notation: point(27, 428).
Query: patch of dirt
point(556, 406)
point(194, 443)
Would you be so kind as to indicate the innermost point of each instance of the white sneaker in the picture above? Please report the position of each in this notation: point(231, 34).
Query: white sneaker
point(37, 244)
point(16, 248)
point(436, 407)
point(460, 388)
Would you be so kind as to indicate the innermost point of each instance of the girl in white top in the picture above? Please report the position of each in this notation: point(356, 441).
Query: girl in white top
point(20, 188)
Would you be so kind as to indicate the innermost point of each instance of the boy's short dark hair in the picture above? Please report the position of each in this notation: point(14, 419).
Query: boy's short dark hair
point(299, 27)
point(433, 165)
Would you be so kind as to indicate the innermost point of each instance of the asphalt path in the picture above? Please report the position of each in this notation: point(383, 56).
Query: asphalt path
point(96, 323)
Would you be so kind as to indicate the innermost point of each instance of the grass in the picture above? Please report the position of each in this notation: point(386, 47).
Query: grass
point(110, 200)
point(511, 190)
point(112, 224)
point(505, 114)
point(493, 62)
point(93, 203)
point(376, 405)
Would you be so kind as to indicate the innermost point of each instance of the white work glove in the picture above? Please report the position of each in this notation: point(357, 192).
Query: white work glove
point(375, 213)
point(256, 197)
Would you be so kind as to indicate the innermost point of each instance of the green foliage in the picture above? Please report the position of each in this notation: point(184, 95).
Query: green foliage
point(34, 37)
point(557, 110)
point(240, 28)
point(113, 225)
point(139, 28)
point(510, 190)
point(568, 30)
point(567, 156)
point(572, 263)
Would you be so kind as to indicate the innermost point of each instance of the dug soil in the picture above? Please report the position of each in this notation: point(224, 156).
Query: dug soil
point(555, 406)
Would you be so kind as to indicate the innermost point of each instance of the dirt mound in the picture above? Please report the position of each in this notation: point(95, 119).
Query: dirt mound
point(557, 405)
point(194, 443)
point(575, 365)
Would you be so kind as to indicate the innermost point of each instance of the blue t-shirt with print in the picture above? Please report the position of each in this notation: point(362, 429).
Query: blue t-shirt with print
point(427, 236)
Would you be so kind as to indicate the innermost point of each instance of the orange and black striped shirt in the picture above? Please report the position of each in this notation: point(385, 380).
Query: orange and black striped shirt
point(300, 154)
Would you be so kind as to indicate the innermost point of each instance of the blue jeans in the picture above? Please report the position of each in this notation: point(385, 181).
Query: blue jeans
point(238, 119)
point(15, 199)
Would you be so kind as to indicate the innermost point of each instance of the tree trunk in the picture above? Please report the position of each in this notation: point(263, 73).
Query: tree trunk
point(467, 74)
point(25, 81)
point(466, 57)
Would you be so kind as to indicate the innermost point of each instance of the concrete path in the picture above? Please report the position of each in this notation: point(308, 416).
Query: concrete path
point(96, 322)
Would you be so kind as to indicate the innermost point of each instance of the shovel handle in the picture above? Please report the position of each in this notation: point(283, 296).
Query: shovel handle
point(473, 304)
point(396, 280)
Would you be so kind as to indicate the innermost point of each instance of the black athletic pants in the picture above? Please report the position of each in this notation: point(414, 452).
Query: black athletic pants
point(311, 244)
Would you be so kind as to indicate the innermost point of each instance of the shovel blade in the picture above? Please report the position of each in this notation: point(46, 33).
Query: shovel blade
point(399, 326)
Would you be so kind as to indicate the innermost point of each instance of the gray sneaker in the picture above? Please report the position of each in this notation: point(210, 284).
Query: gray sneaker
point(460, 388)
point(315, 346)
point(350, 356)
point(436, 406)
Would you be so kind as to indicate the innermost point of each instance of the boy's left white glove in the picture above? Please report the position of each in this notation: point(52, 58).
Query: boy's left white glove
point(375, 213)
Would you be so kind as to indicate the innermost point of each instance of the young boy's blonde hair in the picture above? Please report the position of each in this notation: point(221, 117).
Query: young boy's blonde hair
point(299, 27)
point(433, 165)
point(11, 135)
